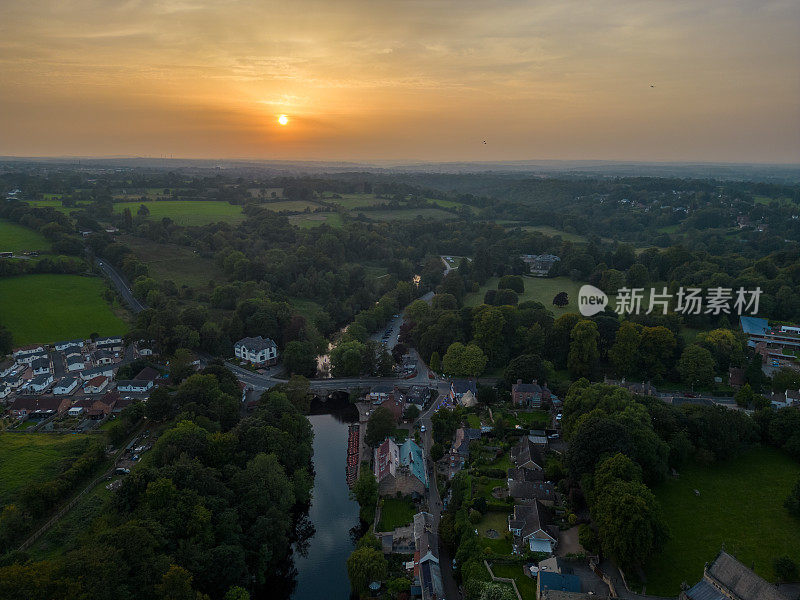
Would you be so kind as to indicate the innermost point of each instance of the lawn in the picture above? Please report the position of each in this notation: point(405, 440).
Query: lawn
point(27, 457)
point(499, 522)
point(540, 289)
point(358, 200)
point(187, 212)
point(537, 417)
point(177, 263)
point(306, 220)
point(56, 204)
point(526, 585)
point(48, 308)
point(740, 505)
point(17, 238)
point(473, 421)
point(552, 231)
point(396, 512)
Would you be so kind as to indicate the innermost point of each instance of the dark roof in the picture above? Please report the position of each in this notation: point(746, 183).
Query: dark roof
point(32, 403)
point(740, 580)
point(74, 359)
point(526, 387)
point(703, 590)
point(41, 379)
point(148, 373)
point(256, 343)
point(40, 363)
point(66, 381)
point(526, 451)
point(530, 490)
point(523, 474)
point(462, 386)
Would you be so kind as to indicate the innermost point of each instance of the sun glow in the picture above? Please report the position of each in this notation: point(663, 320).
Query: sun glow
point(283, 120)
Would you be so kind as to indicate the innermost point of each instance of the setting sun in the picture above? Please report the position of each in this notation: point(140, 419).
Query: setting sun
point(283, 119)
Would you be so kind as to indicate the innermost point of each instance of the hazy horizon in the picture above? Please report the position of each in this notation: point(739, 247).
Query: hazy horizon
point(424, 82)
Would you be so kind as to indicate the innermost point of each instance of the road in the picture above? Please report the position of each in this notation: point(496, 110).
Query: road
point(121, 285)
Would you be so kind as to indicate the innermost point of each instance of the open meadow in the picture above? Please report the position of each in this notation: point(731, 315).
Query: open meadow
point(539, 289)
point(47, 308)
point(32, 457)
point(18, 238)
point(306, 220)
point(177, 263)
point(740, 505)
point(187, 212)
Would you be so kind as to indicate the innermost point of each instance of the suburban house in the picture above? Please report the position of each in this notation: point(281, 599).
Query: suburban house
point(33, 406)
point(66, 385)
point(7, 367)
point(257, 350)
point(780, 400)
point(41, 366)
point(527, 492)
point(103, 357)
point(40, 383)
point(400, 468)
point(528, 455)
point(529, 524)
point(538, 437)
point(529, 394)
point(427, 573)
point(459, 387)
point(727, 579)
point(523, 474)
point(144, 348)
point(561, 586)
point(14, 380)
point(96, 384)
point(418, 394)
point(75, 363)
point(147, 374)
point(62, 346)
point(104, 370)
point(468, 399)
point(28, 354)
point(540, 264)
point(112, 344)
point(4, 391)
point(459, 451)
point(75, 411)
point(136, 386)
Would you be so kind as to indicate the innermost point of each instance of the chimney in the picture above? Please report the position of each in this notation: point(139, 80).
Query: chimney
point(519, 381)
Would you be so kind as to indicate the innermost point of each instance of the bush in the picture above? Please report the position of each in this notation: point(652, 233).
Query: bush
point(785, 568)
point(474, 516)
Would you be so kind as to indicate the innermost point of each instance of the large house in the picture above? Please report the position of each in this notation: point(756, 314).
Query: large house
point(400, 468)
point(66, 385)
point(96, 384)
point(136, 386)
point(256, 350)
point(28, 354)
point(41, 366)
point(528, 492)
point(459, 387)
point(104, 370)
point(68, 344)
point(529, 394)
point(40, 383)
point(727, 579)
point(540, 264)
point(529, 524)
point(75, 363)
point(528, 455)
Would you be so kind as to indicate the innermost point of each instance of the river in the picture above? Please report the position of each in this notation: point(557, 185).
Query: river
point(322, 573)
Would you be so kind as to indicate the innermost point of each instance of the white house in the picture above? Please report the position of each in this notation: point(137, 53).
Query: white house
point(21, 353)
point(4, 390)
point(30, 356)
point(61, 346)
point(40, 383)
point(75, 411)
point(96, 385)
point(137, 386)
point(75, 363)
point(104, 370)
point(257, 350)
point(41, 366)
point(528, 524)
point(65, 386)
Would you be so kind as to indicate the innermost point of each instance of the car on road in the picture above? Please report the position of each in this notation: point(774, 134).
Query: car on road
point(553, 436)
point(422, 429)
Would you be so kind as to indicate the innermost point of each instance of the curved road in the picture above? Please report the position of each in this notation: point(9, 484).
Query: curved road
point(121, 285)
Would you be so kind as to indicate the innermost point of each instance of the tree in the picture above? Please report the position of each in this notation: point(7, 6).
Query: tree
point(379, 426)
point(785, 568)
point(160, 405)
point(300, 358)
point(744, 396)
point(365, 490)
point(792, 502)
point(655, 350)
point(696, 366)
point(488, 331)
point(527, 367)
point(583, 353)
point(347, 359)
point(463, 361)
point(180, 367)
point(298, 390)
point(725, 345)
point(365, 565)
point(411, 413)
point(143, 211)
point(436, 363)
point(561, 299)
point(437, 452)
point(6, 341)
point(624, 353)
point(237, 593)
point(511, 282)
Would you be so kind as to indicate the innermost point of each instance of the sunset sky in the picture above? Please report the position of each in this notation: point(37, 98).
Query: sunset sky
point(402, 79)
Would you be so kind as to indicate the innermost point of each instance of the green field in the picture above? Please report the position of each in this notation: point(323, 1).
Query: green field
point(26, 457)
point(740, 505)
point(526, 585)
point(358, 200)
point(540, 289)
point(48, 308)
point(499, 522)
point(17, 238)
point(407, 214)
point(56, 204)
point(307, 220)
point(395, 512)
point(177, 263)
point(187, 212)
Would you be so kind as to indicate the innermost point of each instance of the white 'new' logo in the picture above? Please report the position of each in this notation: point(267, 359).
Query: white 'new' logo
point(591, 300)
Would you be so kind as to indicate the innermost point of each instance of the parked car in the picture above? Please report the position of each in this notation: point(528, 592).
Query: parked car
point(422, 429)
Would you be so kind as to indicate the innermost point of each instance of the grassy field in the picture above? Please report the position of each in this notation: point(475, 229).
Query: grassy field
point(526, 585)
point(56, 204)
point(17, 238)
point(540, 289)
point(48, 308)
point(358, 200)
point(395, 512)
point(307, 220)
point(27, 457)
point(187, 212)
point(740, 504)
point(499, 522)
point(170, 261)
point(408, 214)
